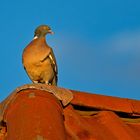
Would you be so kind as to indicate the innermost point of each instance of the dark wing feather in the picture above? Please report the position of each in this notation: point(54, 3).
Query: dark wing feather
point(53, 63)
point(52, 58)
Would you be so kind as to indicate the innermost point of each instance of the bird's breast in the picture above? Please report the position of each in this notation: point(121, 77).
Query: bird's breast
point(35, 53)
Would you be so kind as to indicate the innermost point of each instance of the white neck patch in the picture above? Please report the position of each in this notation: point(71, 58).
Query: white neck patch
point(35, 37)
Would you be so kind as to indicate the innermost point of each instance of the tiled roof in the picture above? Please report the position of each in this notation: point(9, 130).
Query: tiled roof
point(36, 114)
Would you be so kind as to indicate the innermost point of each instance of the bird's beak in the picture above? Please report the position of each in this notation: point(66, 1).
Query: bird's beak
point(51, 32)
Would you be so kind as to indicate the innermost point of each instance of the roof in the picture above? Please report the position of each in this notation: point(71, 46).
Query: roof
point(35, 113)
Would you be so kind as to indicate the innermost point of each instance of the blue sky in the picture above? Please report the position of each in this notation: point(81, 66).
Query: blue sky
point(96, 43)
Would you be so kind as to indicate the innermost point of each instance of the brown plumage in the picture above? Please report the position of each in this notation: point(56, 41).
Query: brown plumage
point(39, 60)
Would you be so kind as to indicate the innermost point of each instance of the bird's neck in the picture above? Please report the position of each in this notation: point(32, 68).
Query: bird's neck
point(40, 35)
point(40, 39)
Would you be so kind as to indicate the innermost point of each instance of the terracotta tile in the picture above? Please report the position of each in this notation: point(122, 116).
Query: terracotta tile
point(38, 114)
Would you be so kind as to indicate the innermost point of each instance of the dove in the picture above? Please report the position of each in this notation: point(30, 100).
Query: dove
point(38, 58)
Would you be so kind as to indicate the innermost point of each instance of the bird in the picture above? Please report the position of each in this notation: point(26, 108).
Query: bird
point(39, 60)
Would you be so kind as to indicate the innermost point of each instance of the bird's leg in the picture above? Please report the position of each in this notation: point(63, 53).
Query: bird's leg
point(47, 82)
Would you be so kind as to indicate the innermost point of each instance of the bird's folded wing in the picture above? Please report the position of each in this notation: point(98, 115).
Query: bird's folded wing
point(53, 61)
point(51, 56)
point(54, 64)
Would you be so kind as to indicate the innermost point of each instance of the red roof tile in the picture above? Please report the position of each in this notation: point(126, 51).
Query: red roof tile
point(38, 114)
point(106, 102)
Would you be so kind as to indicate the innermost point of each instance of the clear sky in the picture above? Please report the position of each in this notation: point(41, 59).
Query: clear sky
point(96, 43)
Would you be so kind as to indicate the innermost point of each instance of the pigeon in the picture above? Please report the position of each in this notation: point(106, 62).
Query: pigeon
point(39, 60)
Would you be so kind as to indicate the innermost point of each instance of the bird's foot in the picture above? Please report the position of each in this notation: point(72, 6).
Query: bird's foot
point(47, 82)
point(36, 82)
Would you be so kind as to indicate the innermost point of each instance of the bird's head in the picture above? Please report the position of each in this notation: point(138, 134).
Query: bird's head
point(42, 30)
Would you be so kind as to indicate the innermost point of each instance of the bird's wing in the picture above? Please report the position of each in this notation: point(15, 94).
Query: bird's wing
point(53, 61)
point(51, 56)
